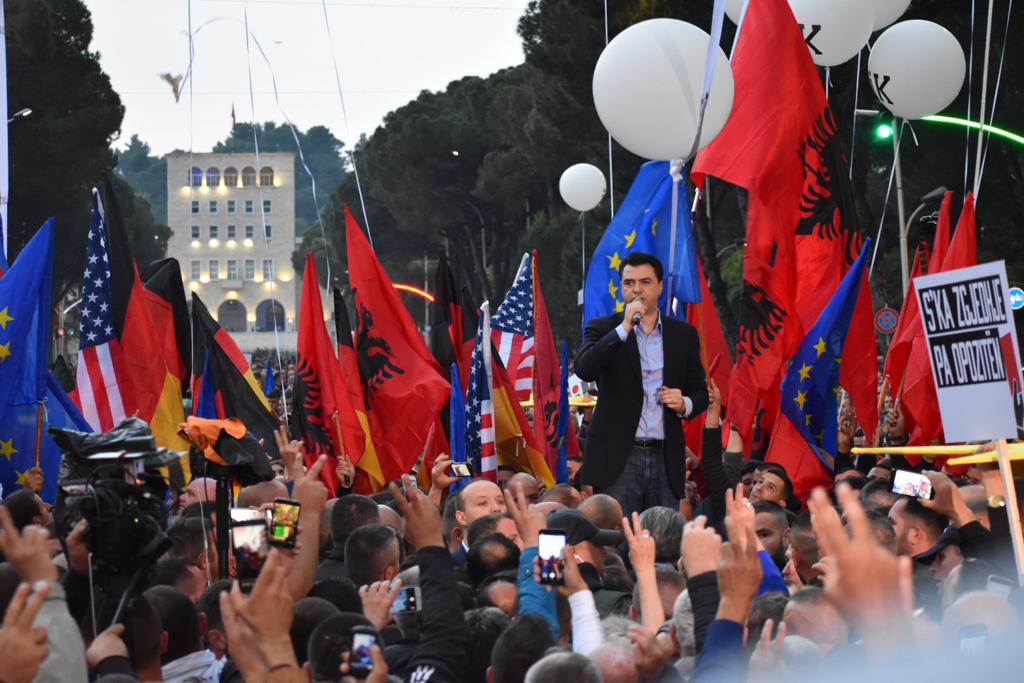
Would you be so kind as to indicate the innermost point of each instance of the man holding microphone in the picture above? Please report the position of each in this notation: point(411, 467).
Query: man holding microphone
point(650, 376)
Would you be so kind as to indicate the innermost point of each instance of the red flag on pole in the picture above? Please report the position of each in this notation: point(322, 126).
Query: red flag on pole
point(942, 232)
point(899, 349)
point(404, 387)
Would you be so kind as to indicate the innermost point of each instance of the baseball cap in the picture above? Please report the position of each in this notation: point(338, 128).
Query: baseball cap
point(950, 536)
point(578, 527)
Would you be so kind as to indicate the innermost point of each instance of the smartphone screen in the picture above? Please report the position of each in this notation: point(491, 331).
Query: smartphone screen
point(407, 600)
point(242, 515)
point(250, 546)
point(999, 586)
point(461, 469)
point(360, 662)
point(913, 484)
point(551, 550)
point(284, 522)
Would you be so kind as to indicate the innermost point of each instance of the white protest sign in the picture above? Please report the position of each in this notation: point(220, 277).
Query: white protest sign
point(972, 346)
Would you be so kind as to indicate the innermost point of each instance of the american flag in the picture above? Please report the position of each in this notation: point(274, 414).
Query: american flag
point(99, 352)
point(480, 446)
point(512, 330)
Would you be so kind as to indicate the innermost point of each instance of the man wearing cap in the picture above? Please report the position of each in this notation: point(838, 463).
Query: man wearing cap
point(650, 375)
point(589, 542)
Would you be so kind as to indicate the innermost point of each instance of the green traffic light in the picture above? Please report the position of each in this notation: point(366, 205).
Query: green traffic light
point(883, 131)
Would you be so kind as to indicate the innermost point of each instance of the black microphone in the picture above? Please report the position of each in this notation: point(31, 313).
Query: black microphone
point(636, 316)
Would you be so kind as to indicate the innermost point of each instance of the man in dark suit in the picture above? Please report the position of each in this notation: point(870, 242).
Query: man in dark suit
point(650, 376)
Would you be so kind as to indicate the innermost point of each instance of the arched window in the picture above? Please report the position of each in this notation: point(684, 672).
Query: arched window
point(212, 176)
point(266, 177)
point(248, 176)
point(270, 314)
point(195, 177)
point(231, 176)
point(231, 316)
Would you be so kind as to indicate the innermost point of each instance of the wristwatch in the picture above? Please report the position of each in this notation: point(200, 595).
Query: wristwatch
point(996, 502)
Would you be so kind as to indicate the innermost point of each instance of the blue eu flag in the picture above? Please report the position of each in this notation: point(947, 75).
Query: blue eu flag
point(30, 399)
point(562, 425)
point(268, 381)
point(457, 425)
point(810, 388)
point(643, 223)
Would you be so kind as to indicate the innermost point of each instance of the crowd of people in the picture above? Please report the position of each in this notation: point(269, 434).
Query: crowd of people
point(741, 583)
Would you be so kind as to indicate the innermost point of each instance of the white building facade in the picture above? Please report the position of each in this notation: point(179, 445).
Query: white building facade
point(234, 234)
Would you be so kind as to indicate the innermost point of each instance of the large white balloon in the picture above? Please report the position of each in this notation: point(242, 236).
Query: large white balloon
point(835, 30)
point(916, 68)
point(733, 9)
point(582, 186)
point(887, 11)
point(647, 87)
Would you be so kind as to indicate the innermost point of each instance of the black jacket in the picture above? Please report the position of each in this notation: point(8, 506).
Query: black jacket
point(615, 366)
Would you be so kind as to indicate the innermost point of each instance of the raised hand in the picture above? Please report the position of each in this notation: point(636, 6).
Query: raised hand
point(345, 470)
point(649, 654)
point(291, 453)
point(27, 551)
point(572, 580)
point(377, 599)
point(767, 662)
point(739, 572)
point(529, 521)
point(423, 525)
point(699, 548)
point(713, 417)
point(309, 490)
point(34, 479)
point(380, 667)
point(22, 646)
point(741, 510)
point(106, 644)
point(947, 500)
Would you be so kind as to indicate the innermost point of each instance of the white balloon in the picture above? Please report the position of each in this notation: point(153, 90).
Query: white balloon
point(582, 186)
point(835, 30)
point(916, 68)
point(647, 87)
point(733, 9)
point(888, 11)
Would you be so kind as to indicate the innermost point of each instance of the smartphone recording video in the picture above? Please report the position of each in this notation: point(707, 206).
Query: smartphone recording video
point(907, 483)
point(461, 469)
point(284, 522)
point(407, 600)
point(250, 546)
point(360, 661)
point(551, 550)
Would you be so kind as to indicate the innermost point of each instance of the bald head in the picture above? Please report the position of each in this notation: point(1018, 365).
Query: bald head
point(603, 510)
point(391, 518)
point(200, 489)
point(529, 484)
point(261, 494)
point(478, 498)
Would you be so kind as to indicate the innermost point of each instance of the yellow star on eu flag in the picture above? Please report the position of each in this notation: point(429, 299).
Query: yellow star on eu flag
point(7, 448)
point(5, 317)
point(614, 261)
point(5, 350)
point(838, 391)
point(801, 399)
point(807, 419)
point(21, 478)
point(619, 306)
point(612, 289)
point(630, 238)
point(654, 226)
point(820, 347)
point(805, 372)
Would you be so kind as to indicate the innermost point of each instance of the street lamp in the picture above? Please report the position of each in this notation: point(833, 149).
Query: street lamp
point(20, 114)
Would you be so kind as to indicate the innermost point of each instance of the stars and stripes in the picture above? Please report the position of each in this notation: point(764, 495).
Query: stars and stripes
point(480, 441)
point(99, 354)
point(512, 330)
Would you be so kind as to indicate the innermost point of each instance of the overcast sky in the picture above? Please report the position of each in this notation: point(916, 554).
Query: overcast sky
point(387, 52)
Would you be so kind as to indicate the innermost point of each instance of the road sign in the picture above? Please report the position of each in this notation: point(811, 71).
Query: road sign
point(1016, 298)
point(886, 320)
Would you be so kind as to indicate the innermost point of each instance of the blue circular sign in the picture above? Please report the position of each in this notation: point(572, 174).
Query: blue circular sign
point(886, 320)
point(1016, 298)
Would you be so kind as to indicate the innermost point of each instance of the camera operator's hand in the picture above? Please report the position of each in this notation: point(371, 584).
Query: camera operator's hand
point(34, 479)
point(947, 500)
point(423, 525)
point(572, 580)
point(78, 549)
point(377, 599)
point(380, 668)
point(439, 477)
point(22, 646)
point(106, 644)
point(27, 551)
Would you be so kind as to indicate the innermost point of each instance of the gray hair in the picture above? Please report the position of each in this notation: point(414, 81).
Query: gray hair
point(616, 625)
point(559, 667)
point(682, 619)
point(666, 527)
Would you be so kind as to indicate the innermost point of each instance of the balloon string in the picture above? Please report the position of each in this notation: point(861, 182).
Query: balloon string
point(885, 204)
point(984, 96)
point(611, 164)
point(995, 97)
point(856, 100)
point(583, 265)
point(827, 81)
point(970, 96)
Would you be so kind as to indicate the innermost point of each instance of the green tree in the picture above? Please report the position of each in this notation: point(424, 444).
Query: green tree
point(147, 174)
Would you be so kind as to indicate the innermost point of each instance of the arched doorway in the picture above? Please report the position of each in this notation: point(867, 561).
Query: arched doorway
point(231, 316)
point(270, 313)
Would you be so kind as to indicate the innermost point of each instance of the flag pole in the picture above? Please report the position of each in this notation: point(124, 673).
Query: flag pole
point(39, 431)
point(1010, 497)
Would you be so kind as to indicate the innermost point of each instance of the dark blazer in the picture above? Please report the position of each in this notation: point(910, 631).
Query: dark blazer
point(615, 366)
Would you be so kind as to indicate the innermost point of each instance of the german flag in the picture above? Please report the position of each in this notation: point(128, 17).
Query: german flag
point(168, 308)
point(223, 385)
point(122, 368)
point(369, 476)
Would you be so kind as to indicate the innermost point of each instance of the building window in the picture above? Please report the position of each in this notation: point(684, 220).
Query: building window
point(268, 231)
point(269, 316)
point(195, 177)
point(248, 177)
point(250, 269)
point(214, 269)
point(231, 316)
point(196, 270)
point(213, 206)
point(248, 206)
point(232, 206)
point(212, 177)
point(250, 232)
point(231, 176)
point(195, 232)
point(214, 232)
point(232, 269)
point(195, 206)
point(266, 177)
point(268, 206)
point(268, 269)
point(232, 232)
